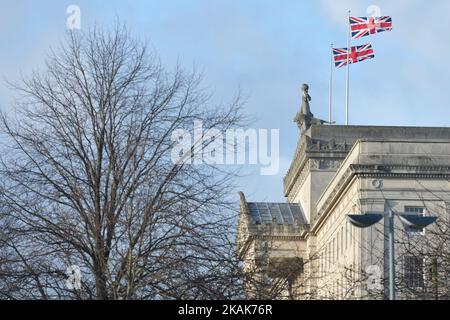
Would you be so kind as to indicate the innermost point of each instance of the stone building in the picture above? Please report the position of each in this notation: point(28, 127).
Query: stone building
point(307, 249)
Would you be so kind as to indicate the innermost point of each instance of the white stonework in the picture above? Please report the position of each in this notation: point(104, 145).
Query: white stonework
point(340, 170)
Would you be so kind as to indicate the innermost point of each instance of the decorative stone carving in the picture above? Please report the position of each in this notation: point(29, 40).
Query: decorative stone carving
point(330, 146)
point(377, 183)
point(325, 164)
point(314, 164)
point(307, 145)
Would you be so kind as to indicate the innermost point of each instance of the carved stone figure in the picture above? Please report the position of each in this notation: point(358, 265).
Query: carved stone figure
point(305, 119)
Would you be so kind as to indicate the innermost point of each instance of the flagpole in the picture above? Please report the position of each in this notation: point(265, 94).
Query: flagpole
point(330, 101)
point(347, 96)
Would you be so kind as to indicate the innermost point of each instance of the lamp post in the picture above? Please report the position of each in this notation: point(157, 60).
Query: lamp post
point(411, 221)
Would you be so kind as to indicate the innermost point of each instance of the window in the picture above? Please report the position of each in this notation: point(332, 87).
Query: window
point(324, 263)
point(334, 250)
point(413, 272)
point(346, 235)
point(337, 246)
point(329, 254)
point(414, 211)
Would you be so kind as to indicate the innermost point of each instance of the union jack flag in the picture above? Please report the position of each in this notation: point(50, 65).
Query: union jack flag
point(357, 54)
point(365, 26)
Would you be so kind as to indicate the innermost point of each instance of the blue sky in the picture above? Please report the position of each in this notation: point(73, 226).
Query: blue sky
point(268, 48)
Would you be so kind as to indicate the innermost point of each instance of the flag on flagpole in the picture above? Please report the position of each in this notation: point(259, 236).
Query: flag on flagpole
point(356, 54)
point(366, 26)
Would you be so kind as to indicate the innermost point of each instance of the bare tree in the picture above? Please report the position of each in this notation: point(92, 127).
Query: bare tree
point(87, 179)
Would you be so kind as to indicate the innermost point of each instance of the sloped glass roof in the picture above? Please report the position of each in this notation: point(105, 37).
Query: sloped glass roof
point(276, 213)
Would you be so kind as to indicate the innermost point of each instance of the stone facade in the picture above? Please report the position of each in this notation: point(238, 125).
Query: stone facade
point(339, 170)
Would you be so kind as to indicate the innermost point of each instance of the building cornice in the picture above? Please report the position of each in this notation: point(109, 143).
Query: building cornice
point(312, 149)
point(277, 237)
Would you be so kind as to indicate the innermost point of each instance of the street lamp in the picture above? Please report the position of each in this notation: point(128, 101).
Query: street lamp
point(414, 222)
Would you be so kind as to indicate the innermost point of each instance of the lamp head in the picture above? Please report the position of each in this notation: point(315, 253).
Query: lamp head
point(364, 220)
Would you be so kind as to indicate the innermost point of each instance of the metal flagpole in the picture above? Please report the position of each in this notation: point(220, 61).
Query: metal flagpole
point(391, 257)
point(347, 96)
point(331, 87)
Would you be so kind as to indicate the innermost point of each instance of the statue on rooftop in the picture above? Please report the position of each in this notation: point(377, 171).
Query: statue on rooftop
point(305, 119)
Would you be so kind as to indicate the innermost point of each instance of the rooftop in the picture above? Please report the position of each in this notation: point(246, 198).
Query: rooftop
point(279, 213)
